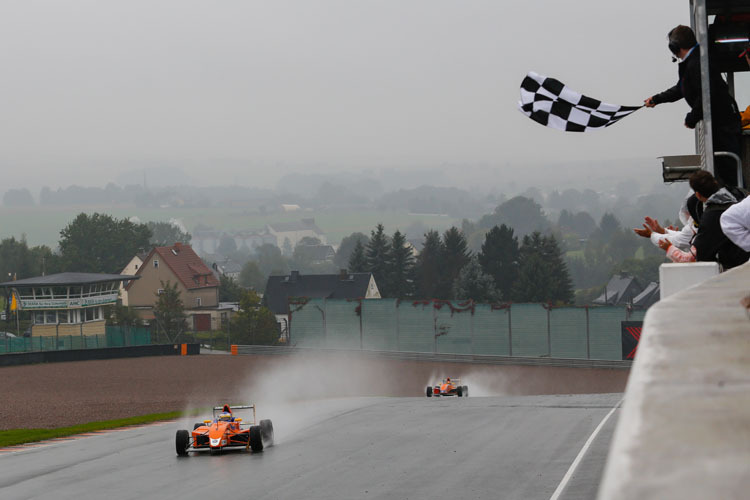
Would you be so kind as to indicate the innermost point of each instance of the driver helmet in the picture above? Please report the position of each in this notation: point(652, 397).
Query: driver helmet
point(225, 417)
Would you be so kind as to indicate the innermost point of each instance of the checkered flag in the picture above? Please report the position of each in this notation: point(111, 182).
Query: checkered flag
point(551, 103)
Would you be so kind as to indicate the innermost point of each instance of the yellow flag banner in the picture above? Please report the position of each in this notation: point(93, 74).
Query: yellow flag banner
point(13, 303)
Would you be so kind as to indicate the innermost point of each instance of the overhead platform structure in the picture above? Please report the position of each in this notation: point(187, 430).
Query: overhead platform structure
point(724, 27)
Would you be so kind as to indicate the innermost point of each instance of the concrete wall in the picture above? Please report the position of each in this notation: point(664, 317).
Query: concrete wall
point(684, 430)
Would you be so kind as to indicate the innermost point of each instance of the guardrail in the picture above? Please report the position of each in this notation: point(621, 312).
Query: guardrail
point(432, 357)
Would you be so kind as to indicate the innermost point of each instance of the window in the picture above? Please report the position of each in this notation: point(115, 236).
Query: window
point(50, 317)
point(75, 291)
point(159, 291)
point(63, 316)
point(198, 301)
point(90, 313)
point(156, 262)
point(39, 317)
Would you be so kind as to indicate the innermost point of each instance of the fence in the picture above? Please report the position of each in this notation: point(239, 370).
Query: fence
point(443, 327)
point(115, 336)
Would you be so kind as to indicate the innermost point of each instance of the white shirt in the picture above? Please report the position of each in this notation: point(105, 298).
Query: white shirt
point(735, 223)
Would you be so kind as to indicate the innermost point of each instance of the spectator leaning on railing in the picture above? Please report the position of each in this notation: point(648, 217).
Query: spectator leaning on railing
point(710, 243)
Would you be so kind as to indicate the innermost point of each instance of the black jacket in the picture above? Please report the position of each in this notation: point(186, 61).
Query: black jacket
point(710, 242)
point(724, 112)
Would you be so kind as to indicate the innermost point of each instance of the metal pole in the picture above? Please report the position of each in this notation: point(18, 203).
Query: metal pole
point(361, 313)
point(434, 328)
point(510, 333)
point(588, 340)
point(549, 336)
point(471, 331)
point(398, 327)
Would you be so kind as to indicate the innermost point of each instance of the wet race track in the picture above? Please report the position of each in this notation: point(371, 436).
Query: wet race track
point(511, 447)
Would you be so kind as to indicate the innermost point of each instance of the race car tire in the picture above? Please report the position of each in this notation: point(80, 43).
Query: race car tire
point(256, 438)
point(196, 425)
point(181, 441)
point(459, 391)
point(428, 392)
point(266, 432)
point(466, 391)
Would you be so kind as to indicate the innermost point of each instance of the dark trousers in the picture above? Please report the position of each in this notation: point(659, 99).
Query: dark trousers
point(726, 138)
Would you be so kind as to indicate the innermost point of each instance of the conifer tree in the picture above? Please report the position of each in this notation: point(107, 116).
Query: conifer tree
point(378, 256)
point(358, 260)
point(428, 266)
point(473, 283)
point(455, 256)
point(543, 274)
point(401, 274)
point(499, 259)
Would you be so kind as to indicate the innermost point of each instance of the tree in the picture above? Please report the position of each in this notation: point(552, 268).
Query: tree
point(270, 260)
point(252, 277)
point(254, 324)
point(523, 214)
point(378, 258)
point(121, 315)
point(18, 198)
point(473, 283)
point(169, 312)
point(358, 259)
point(499, 259)
point(287, 247)
point(99, 243)
point(165, 234)
point(401, 273)
point(19, 261)
point(227, 245)
point(229, 290)
point(455, 256)
point(542, 275)
point(428, 266)
point(344, 253)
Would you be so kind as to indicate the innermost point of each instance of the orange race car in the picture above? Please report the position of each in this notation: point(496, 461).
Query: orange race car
point(225, 431)
point(448, 387)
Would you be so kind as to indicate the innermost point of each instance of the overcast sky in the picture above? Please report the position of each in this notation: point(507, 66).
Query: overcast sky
point(245, 91)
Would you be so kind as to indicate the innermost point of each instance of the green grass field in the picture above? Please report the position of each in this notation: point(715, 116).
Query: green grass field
point(14, 437)
point(42, 225)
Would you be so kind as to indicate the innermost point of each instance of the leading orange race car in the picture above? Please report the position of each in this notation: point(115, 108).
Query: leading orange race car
point(448, 387)
point(225, 431)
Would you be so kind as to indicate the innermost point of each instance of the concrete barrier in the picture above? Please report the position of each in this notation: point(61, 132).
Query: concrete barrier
point(26, 358)
point(684, 430)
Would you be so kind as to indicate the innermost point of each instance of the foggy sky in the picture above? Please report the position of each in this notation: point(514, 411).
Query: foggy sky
point(246, 91)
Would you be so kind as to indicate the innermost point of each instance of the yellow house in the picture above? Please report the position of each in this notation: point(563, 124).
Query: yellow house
point(66, 303)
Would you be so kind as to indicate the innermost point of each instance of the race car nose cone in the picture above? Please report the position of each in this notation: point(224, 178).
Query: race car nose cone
point(215, 442)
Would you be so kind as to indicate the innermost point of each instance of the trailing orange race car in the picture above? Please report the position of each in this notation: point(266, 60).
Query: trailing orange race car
point(448, 387)
point(225, 431)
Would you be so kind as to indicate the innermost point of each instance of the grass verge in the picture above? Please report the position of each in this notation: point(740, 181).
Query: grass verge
point(13, 437)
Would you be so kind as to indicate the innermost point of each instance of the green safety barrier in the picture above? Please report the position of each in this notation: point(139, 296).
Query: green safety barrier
point(455, 327)
point(115, 336)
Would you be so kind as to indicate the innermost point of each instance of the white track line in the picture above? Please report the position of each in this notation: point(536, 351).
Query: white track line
point(582, 453)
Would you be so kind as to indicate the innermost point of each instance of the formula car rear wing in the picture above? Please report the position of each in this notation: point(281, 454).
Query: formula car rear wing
point(241, 407)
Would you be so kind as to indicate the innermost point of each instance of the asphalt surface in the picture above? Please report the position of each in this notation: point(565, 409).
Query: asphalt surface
point(512, 447)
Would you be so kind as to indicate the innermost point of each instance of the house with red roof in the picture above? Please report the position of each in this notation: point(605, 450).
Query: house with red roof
point(197, 284)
